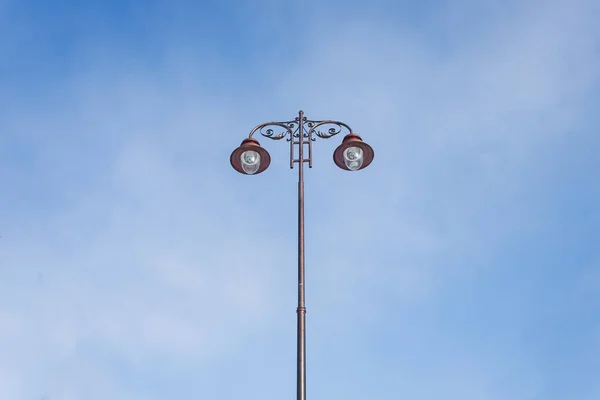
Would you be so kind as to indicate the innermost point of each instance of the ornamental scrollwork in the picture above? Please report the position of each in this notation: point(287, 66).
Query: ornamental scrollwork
point(276, 130)
point(291, 129)
point(321, 129)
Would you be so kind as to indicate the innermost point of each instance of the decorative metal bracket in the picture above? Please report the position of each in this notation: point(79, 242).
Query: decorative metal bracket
point(298, 132)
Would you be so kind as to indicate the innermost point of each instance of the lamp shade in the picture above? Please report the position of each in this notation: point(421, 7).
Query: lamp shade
point(250, 158)
point(353, 154)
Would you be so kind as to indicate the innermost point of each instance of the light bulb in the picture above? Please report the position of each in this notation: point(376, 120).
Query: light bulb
point(353, 158)
point(250, 161)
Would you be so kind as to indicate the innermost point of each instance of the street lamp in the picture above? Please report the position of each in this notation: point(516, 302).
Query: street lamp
point(250, 158)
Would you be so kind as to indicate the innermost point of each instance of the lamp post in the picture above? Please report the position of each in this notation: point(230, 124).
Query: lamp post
point(250, 158)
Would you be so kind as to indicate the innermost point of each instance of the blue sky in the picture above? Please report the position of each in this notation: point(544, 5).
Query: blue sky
point(135, 263)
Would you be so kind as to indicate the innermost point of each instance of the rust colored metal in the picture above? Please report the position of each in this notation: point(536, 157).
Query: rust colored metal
point(299, 132)
point(353, 140)
point(301, 310)
point(250, 144)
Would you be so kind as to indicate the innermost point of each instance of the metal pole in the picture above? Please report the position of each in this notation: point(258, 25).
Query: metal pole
point(289, 128)
point(301, 310)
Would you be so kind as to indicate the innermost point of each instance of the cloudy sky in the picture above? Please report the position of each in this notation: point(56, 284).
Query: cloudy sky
point(135, 263)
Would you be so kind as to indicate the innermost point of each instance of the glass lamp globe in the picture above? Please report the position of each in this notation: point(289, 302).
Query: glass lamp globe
point(250, 161)
point(353, 158)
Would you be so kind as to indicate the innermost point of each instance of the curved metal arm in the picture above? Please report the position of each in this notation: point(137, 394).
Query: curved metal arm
point(299, 132)
point(291, 128)
point(270, 133)
point(313, 125)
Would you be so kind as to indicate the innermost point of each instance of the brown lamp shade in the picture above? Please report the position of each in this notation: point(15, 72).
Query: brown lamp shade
point(353, 140)
point(253, 145)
